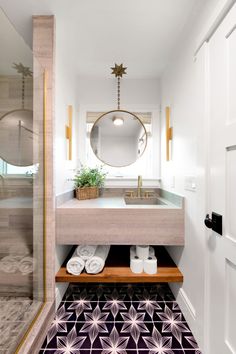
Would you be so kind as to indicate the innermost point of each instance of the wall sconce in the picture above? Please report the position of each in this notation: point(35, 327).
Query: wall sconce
point(69, 132)
point(169, 133)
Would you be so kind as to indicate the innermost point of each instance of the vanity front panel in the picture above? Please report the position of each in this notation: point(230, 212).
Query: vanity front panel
point(117, 225)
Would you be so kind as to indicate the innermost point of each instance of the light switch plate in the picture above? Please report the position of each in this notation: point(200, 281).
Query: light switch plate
point(190, 183)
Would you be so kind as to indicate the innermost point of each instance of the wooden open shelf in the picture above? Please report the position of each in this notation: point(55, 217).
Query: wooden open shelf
point(117, 270)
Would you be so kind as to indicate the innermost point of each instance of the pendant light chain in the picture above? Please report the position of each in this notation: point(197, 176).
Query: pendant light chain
point(118, 92)
point(23, 92)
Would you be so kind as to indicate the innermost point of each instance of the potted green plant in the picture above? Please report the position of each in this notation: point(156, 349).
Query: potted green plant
point(88, 181)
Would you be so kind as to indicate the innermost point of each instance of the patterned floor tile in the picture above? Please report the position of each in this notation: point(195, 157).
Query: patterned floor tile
point(81, 351)
point(134, 292)
point(122, 319)
point(128, 351)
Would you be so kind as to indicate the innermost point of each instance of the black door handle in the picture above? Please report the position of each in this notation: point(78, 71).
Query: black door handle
point(208, 221)
point(214, 223)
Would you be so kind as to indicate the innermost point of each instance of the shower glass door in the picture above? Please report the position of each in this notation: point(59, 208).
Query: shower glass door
point(22, 262)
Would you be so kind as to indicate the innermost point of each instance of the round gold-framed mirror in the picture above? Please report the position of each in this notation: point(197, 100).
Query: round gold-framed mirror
point(16, 128)
point(16, 137)
point(118, 138)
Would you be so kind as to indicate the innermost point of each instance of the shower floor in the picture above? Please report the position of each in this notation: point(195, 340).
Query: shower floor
point(119, 319)
point(16, 313)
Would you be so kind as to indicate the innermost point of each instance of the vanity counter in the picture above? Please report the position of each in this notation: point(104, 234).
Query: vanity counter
point(113, 203)
point(17, 203)
point(109, 220)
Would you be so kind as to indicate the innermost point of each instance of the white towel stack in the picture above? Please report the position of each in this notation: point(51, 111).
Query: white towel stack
point(27, 265)
point(92, 258)
point(86, 251)
point(13, 263)
point(9, 264)
point(143, 259)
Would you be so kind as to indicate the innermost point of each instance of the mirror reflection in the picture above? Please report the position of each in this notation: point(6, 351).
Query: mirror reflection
point(118, 138)
point(21, 188)
point(17, 127)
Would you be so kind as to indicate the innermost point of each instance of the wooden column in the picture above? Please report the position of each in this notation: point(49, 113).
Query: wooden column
point(44, 53)
point(44, 58)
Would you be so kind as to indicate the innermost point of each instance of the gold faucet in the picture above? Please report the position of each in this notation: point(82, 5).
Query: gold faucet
point(140, 183)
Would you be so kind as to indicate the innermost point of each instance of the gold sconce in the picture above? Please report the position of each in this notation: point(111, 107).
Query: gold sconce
point(69, 132)
point(169, 133)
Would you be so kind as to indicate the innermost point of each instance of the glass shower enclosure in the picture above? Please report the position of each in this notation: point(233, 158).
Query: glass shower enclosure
point(22, 253)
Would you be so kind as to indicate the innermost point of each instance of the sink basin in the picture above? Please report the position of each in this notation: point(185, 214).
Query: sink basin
point(144, 201)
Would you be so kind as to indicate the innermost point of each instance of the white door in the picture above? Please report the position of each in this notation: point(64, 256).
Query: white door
point(221, 279)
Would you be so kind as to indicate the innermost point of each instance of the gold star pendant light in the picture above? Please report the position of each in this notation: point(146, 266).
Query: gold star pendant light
point(21, 69)
point(118, 70)
point(25, 72)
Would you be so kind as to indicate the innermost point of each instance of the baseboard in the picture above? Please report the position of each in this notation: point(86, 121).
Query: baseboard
point(189, 313)
point(186, 303)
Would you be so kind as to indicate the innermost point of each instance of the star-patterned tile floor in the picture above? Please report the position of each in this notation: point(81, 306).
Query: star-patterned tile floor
point(119, 319)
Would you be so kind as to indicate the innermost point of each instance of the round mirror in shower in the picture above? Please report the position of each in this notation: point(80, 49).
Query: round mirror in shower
point(16, 137)
point(118, 138)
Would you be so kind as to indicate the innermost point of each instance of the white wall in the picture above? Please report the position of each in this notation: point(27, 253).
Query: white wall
point(104, 91)
point(65, 94)
point(183, 88)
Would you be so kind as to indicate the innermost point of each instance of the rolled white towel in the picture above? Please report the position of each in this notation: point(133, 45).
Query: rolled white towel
point(10, 264)
point(96, 264)
point(26, 265)
point(75, 265)
point(86, 251)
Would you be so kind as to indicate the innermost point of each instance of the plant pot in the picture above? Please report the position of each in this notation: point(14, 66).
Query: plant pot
point(87, 193)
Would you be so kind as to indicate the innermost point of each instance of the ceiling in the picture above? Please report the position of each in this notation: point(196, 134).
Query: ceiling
point(13, 48)
point(93, 35)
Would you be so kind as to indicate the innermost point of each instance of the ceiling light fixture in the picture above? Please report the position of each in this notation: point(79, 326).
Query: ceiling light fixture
point(118, 121)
